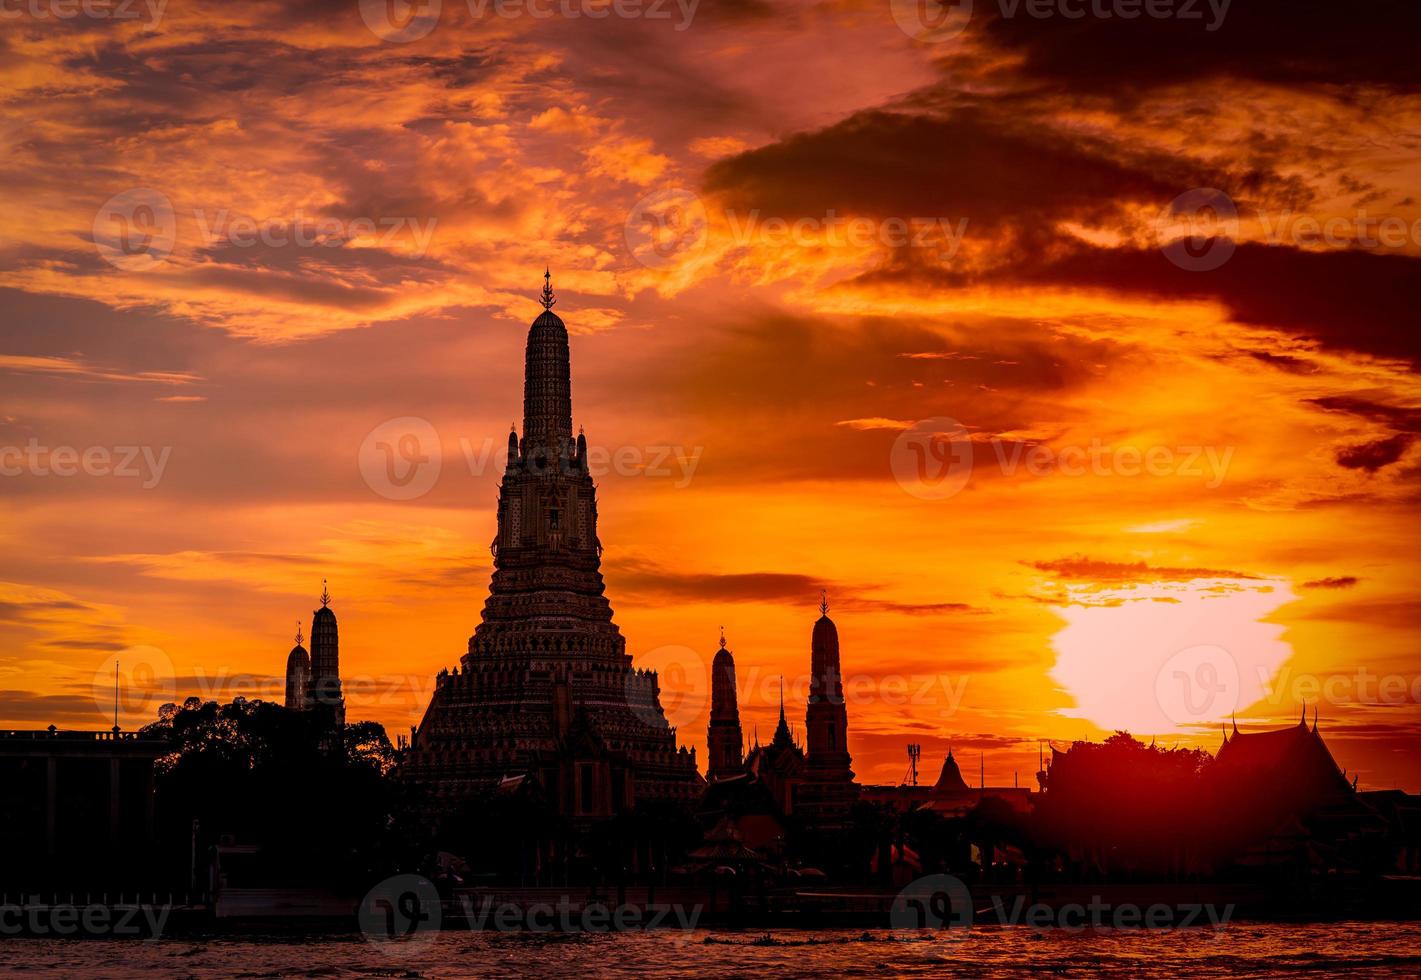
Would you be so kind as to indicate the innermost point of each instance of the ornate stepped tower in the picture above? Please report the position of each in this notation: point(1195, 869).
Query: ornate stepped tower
point(324, 691)
point(547, 688)
point(298, 675)
point(828, 790)
point(725, 744)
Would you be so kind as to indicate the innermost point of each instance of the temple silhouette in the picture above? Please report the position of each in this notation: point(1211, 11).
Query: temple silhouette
point(545, 756)
point(547, 691)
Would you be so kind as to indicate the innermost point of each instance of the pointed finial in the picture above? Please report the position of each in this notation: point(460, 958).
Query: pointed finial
point(782, 697)
point(298, 633)
point(722, 637)
point(325, 594)
point(823, 602)
point(1235, 721)
point(1304, 720)
point(1314, 719)
point(548, 300)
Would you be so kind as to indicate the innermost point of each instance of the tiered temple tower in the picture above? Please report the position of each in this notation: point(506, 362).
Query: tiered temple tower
point(324, 691)
point(725, 744)
point(828, 791)
point(298, 675)
point(547, 688)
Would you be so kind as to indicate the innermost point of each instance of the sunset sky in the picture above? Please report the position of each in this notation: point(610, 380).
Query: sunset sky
point(890, 309)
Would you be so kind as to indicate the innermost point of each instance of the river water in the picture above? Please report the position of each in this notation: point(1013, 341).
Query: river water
point(1237, 950)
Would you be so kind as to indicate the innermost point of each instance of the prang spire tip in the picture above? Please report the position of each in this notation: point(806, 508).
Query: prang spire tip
point(547, 298)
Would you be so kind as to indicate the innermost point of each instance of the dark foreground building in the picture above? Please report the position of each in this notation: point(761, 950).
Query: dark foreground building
point(547, 690)
point(76, 808)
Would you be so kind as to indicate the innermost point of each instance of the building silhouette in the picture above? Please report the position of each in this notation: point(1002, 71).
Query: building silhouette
point(325, 687)
point(828, 791)
point(725, 743)
point(547, 690)
point(815, 784)
point(313, 679)
point(298, 675)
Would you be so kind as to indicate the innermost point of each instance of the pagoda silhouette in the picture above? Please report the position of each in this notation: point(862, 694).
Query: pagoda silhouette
point(547, 691)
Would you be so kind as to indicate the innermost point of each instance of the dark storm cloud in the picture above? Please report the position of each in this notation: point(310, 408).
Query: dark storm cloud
point(1348, 300)
point(1332, 582)
point(646, 581)
point(47, 709)
point(968, 164)
point(1372, 456)
point(1079, 568)
point(1370, 42)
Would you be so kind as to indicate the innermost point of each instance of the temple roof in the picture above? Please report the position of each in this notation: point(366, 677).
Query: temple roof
point(950, 779)
point(1295, 757)
point(549, 320)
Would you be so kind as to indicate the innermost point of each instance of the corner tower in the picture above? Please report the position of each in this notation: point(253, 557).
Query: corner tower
point(829, 789)
point(298, 674)
point(324, 692)
point(725, 743)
